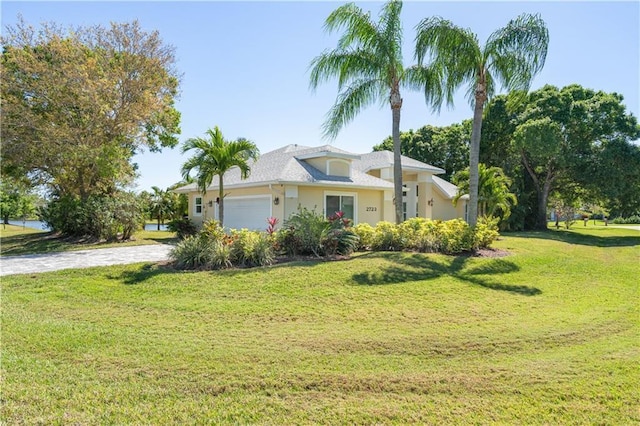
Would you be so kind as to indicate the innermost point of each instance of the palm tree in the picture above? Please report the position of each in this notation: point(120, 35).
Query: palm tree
point(160, 204)
point(494, 198)
point(368, 65)
point(215, 156)
point(512, 56)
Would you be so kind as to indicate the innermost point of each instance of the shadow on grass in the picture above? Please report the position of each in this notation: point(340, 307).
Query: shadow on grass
point(39, 242)
point(164, 240)
point(577, 237)
point(419, 267)
point(144, 273)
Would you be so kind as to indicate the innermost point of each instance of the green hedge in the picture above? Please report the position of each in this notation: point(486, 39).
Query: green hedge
point(425, 235)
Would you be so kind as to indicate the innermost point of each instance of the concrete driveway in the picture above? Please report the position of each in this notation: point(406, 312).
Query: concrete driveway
point(33, 263)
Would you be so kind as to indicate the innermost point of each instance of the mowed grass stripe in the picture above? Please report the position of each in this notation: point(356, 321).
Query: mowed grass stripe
point(546, 335)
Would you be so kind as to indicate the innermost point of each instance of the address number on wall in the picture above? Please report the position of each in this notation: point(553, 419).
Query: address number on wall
point(372, 209)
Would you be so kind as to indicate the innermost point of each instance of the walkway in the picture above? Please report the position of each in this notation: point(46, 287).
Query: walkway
point(31, 263)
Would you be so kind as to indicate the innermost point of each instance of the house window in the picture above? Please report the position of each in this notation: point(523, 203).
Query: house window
point(197, 206)
point(340, 203)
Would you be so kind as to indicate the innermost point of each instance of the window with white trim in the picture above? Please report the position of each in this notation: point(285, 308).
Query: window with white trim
point(197, 206)
point(340, 203)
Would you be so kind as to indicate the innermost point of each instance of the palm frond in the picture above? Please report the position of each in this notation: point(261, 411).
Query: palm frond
point(452, 49)
point(518, 51)
point(359, 30)
point(428, 80)
point(346, 65)
point(390, 31)
point(349, 103)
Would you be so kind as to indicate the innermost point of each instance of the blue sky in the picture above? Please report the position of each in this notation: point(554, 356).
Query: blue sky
point(245, 65)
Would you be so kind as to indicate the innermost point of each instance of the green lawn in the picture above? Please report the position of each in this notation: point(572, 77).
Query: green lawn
point(15, 240)
point(546, 335)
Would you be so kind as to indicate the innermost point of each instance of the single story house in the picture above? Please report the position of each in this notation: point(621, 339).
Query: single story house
point(325, 179)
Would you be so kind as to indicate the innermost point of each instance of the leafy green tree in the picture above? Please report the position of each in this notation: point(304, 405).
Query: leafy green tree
point(16, 199)
point(444, 147)
point(494, 196)
point(369, 67)
point(576, 136)
point(512, 56)
point(214, 155)
point(78, 104)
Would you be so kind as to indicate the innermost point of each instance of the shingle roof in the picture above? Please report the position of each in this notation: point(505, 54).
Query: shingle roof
point(447, 188)
point(283, 166)
point(380, 159)
point(287, 165)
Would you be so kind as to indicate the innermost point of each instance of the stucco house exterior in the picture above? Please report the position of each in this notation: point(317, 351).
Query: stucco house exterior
point(325, 179)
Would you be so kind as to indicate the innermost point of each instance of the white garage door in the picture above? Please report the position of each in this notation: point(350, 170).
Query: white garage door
point(247, 212)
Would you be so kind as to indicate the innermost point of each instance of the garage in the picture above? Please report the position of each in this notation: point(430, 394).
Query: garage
point(249, 212)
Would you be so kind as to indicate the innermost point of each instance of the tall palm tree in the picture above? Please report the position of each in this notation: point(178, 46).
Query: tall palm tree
point(511, 57)
point(369, 68)
point(494, 197)
point(214, 155)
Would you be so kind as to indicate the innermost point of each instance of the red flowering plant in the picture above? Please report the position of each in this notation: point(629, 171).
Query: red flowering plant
point(271, 225)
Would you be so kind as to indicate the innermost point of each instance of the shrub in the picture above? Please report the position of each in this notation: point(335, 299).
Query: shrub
point(102, 217)
point(250, 248)
point(198, 252)
point(421, 234)
point(386, 237)
point(338, 237)
point(632, 220)
point(183, 227)
point(455, 236)
point(191, 253)
point(365, 232)
point(486, 232)
point(213, 230)
point(304, 232)
point(425, 235)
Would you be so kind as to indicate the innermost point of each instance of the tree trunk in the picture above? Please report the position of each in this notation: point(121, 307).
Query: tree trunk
point(543, 197)
point(221, 203)
point(474, 155)
point(158, 222)
point(396, 105)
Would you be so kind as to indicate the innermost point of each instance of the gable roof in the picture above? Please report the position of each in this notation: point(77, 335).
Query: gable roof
point(447, 189)
point(381, 159)
point(286, 165)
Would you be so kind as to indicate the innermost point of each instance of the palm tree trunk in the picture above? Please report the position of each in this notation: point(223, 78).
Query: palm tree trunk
point(474, 156)
point(396, 105)
point(221, 203)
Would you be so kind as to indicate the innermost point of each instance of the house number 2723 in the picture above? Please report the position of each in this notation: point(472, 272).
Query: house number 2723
point(372, 209)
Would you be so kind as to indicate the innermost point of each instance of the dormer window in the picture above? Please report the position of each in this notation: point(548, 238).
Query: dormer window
point(338, 167)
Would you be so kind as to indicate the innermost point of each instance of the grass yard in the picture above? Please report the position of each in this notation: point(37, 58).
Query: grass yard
point(547, 335)
point(15, 240)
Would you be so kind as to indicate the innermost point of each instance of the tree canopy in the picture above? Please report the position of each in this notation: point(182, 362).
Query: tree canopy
point(578, 136)
point(79, 103)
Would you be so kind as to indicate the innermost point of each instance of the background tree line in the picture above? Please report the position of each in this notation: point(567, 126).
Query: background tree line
point(573, 146)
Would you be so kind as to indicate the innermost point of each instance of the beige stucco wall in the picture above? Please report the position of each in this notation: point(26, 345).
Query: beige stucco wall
point(443, 208)
point(211, 195)
point(372, 206)
point(369, 204)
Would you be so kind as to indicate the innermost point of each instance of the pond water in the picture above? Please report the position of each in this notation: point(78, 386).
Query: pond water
point(37, 224)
